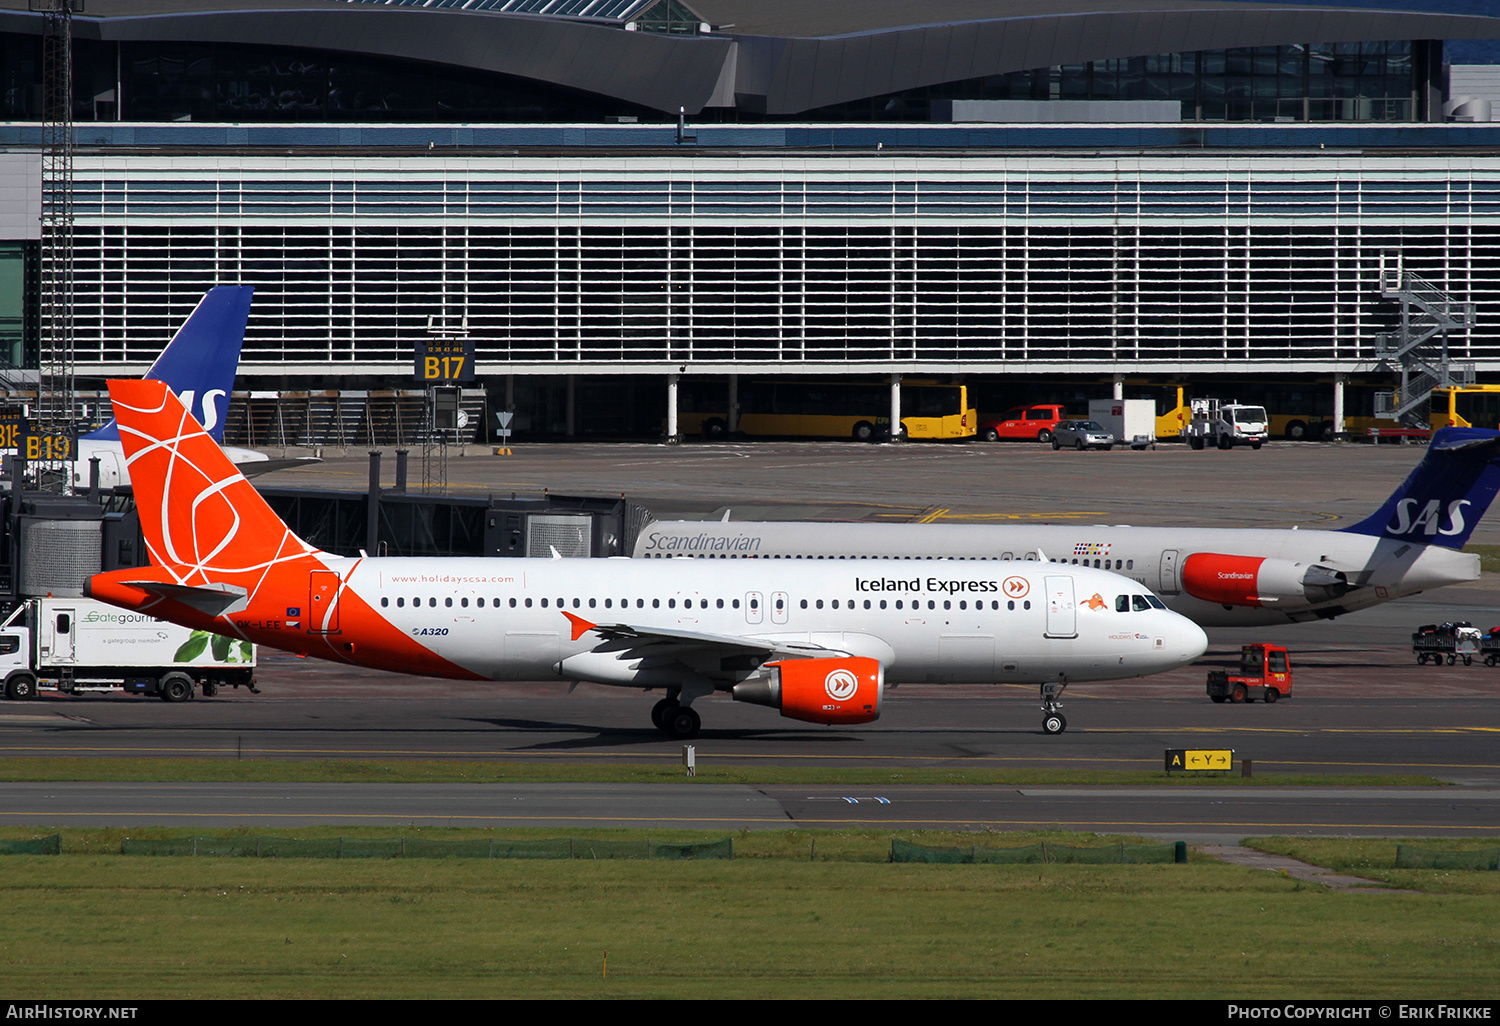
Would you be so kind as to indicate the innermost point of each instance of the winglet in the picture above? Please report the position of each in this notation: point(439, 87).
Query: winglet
point(580, 625)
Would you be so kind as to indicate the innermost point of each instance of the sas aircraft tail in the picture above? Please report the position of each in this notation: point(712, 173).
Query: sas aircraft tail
point(1441, 501)
point(198, 365)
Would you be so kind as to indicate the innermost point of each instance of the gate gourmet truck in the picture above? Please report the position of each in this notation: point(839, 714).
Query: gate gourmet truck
point(76, 645)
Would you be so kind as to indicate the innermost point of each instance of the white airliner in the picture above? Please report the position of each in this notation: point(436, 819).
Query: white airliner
point(199, 366)
point(1239, 577)
point(818, 641)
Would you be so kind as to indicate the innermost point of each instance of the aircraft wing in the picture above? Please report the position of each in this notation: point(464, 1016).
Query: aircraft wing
point(622, 637)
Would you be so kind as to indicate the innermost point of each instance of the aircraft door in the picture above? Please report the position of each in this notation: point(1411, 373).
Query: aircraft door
point(753, 611)
point(322, 602)
point(779, 605)
point(1169, 572)
point(1062, 613)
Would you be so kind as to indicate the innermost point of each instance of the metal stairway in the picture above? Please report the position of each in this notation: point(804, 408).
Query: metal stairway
point(1419, 348)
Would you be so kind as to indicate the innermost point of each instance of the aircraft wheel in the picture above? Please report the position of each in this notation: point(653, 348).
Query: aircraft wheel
point(660, 710)
point(1272, 695)
point(682, 723)
point(21, 687)
point(1054, 723)
point(176, 687)
point(1237, 696)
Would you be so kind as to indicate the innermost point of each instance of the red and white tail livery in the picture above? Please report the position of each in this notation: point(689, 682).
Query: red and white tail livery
point(818, 640)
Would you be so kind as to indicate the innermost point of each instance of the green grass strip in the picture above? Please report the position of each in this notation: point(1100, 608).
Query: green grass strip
point(787, 924)
point(667, 771)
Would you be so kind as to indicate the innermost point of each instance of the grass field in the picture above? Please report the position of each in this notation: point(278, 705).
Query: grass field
point(771, 923)
point(668, 770)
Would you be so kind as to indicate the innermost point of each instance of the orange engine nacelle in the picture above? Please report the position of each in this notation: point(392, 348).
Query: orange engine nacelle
point(846, 690)
point(1258, 581)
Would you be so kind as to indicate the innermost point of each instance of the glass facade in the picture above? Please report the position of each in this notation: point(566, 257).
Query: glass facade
point(1321, 82)
point(155, 81)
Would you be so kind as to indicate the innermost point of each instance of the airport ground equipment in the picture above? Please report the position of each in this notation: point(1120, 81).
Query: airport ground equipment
point(1131, 421)
point(1226, 425)
point(76, 645)
point(1448, 643)
point(1265, 674)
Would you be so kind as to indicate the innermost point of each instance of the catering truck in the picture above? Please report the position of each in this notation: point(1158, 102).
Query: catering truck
point(76, 645)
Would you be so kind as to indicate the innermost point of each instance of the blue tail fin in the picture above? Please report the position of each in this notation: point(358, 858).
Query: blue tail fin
point(1441, 501)
point(198, 365)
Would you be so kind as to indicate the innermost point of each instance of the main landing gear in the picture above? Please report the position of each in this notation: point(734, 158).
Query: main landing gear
point(1053, 722)
point(677, 721)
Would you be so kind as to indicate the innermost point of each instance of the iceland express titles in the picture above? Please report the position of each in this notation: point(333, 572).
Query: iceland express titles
point(934, 584)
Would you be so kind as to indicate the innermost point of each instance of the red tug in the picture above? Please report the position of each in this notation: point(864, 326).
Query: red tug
point(1265, 673)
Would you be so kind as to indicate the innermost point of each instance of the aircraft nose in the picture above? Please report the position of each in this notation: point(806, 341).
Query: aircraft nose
point(1186, 640)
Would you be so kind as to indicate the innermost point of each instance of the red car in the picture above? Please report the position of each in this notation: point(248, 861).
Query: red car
point(1024, 423)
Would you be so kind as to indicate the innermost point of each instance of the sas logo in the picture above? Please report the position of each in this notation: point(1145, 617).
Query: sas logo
point(841, 685)
point(1427, 521)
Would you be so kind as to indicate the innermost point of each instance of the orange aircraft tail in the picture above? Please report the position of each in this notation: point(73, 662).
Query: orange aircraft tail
point(202, 520)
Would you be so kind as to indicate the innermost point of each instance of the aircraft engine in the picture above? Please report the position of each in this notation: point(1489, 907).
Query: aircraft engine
point(845, 690)
point(1258, 581)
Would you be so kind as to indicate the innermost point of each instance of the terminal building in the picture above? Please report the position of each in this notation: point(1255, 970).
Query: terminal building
point(629, 207)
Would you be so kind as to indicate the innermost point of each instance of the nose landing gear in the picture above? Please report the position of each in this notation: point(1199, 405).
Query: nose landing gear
point(1053, 722)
